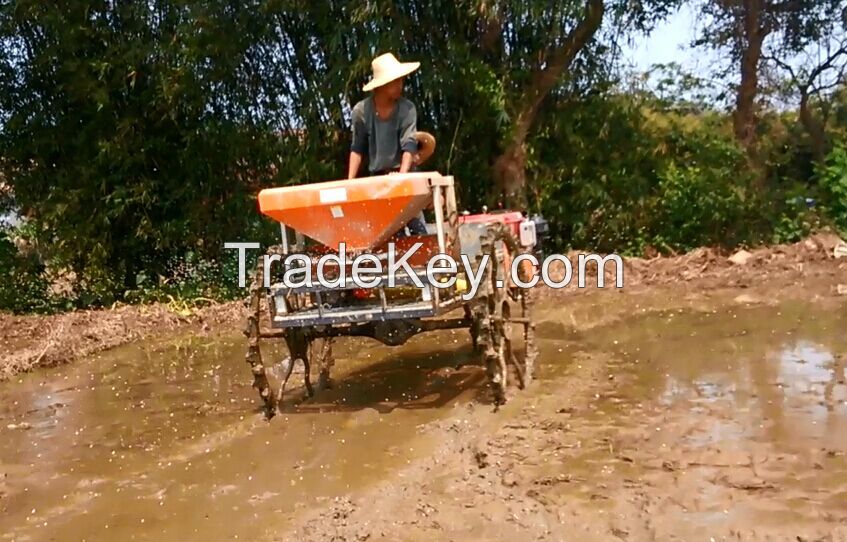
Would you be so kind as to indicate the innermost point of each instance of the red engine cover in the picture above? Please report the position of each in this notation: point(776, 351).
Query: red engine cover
point(512, 219)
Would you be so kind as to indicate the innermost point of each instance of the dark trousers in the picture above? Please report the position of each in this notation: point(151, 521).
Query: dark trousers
point(417, 226)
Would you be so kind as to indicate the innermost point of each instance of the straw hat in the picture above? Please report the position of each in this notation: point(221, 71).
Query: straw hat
point(386, 68)
point(426, 146)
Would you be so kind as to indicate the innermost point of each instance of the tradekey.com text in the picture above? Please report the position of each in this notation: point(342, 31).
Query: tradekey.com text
point(442, 270)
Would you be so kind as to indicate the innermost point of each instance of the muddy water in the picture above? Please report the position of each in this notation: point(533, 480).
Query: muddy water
point(779, 371)
point(734, 419)
point(162, 441)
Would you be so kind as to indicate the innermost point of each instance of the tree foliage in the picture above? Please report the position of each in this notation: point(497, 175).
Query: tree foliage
point(134, 135)
point(128, 129)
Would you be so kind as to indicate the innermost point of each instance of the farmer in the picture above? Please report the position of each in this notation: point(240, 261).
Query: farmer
point(385, 126)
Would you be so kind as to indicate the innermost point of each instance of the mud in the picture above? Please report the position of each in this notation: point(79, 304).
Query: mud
point(724, 423)
point(132, 443)
point(713, 418)
point(692, 410)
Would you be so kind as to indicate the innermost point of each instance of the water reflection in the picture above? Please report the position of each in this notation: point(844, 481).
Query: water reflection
point(781, 372)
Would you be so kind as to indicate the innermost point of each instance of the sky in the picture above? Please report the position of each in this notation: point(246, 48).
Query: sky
point(669, 43)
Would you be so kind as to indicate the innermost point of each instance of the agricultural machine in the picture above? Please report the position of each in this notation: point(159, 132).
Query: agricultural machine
point(368, 215)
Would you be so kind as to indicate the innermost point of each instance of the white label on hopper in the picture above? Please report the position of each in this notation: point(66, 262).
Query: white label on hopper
point(336, 211)
point(333, 195)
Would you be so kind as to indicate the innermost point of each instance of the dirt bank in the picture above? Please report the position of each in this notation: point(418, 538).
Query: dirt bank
point(45, 341)
point(27, 342)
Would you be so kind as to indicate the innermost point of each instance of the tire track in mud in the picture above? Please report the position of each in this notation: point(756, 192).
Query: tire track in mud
point(479, 483)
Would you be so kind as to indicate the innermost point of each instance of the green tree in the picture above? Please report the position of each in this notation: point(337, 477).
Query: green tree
point(128, 128)
point(751, 30)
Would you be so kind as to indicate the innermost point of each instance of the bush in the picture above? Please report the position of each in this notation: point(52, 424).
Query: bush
point(24, 286)
point(594, 166)
point(619, 174)
point(697, 206)
point(832, 184)
point(190, 281)
point(27, 282)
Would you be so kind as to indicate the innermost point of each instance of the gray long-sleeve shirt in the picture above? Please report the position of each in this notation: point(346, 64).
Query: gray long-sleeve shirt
point(384, 141)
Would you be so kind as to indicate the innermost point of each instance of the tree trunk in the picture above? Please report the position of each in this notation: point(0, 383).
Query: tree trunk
point(754, 33)
point(509, 168)
point(814, 128)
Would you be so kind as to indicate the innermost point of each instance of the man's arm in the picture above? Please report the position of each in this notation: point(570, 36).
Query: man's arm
point(406, 162)
point(359, 145)
point(408, 142)
point(355, 164)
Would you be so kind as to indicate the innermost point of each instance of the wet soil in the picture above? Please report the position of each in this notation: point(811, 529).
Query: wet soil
point(685, 417)
point(709, 409)
point(722, 422)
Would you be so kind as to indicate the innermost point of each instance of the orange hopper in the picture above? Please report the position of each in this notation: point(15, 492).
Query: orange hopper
point(362, 213)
